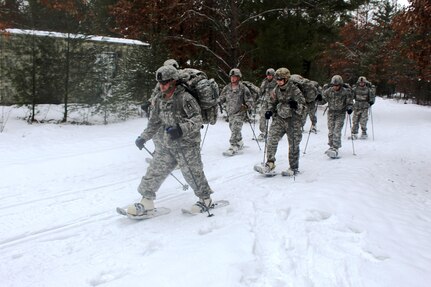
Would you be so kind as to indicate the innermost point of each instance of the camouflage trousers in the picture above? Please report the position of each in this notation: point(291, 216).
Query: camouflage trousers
point(293, 128)
point(335, 126)
point(235, 125)
point(360, 117)
point(310, 111)
point(188, 157)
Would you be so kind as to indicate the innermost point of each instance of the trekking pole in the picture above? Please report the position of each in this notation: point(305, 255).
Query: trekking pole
point(353, 145)
point(254, 134)
point(266, 140)
point(293, 138)
point(254, 116)
point(345, 128)
point(372, 124)
point(309, 132)
point(185, 186)
point(207, 208)
point(205, 135)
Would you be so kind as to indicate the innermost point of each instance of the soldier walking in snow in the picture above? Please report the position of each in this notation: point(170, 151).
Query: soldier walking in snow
point(238, 101)
point(267, 86)
point(364, 99)
point(178, 114)
point(287, 106)
point(340, 100)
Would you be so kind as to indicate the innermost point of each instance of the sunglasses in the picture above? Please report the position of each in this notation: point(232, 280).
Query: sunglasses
point(280, 79)
point(164, 82)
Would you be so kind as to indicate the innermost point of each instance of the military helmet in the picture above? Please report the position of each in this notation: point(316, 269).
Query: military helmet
point(235, 72)
point(171, 62)
point(337, 80)
point(282, 74)
point(166, 73)
point(362, 79)
point(270, 71)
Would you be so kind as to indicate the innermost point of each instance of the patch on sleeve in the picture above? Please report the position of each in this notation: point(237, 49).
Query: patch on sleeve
point(191, 107)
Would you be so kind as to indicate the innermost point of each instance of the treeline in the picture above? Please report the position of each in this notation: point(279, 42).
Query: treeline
point(315, 38)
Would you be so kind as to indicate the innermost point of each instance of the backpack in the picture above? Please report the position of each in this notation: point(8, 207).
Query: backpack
point(254, 90)
point(308, 88)
point(205, 91)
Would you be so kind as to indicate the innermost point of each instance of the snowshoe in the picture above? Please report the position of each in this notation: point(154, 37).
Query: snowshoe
point(234, 149)
point(142, 210)
point(260, 138)
point(290, 172)
point(266, 170)
point(364, 136)
point(332, 153)
point(231, 151)
point(204, 206)
point(313, 129)
point(353, 137)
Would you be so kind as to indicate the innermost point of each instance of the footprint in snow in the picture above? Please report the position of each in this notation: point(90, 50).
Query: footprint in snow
point(317, 215)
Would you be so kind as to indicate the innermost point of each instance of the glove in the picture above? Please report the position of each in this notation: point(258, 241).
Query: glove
point(293, 104)
point(349, 111)
point(268, 115)
point(175, 132)
point(244, 107)
point(140, 142)
point(145, 106)
point(319, 97)
point(371, 103)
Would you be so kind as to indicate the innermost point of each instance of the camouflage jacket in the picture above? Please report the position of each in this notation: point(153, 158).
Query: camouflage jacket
point(362, 96)
point(235, 98)
point(338, 101)
point(279, 102)
point(266, 88)
point(181, 109)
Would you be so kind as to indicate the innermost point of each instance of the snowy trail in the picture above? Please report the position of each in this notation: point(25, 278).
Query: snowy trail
point(362, 220)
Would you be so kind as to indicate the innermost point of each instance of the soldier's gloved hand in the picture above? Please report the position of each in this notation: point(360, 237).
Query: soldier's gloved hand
point(293, 104)
point(175, 132)
point(319, 97)
point(145, 106)
point(244, 108)
point(140, 142)
point(349, 111)
point(268, 115)
point(371, 103)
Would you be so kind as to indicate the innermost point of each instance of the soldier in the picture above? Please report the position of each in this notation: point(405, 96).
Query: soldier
point(364, 98)
point(340, 100)
point(310, 89)
point(287, 104)
point(157, 138)
point(178, 114)
point(267, 86)
point(238, 101)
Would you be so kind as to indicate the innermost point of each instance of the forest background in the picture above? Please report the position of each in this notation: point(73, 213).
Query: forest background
point(388, 43)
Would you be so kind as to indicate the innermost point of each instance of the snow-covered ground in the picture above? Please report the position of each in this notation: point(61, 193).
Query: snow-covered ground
point(361, 220)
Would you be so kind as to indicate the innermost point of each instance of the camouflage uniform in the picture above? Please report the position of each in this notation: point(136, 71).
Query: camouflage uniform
point(286, 121)
point(181, 109)
point(265, 89)
point(338, 103)
point(235, 100)
point(363, 97)
point(311, 105)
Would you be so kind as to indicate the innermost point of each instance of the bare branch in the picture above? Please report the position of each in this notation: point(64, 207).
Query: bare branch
point(259, 15)
point(196, 44)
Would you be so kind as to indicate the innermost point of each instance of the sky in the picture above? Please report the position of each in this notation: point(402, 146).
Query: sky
point(363, 220)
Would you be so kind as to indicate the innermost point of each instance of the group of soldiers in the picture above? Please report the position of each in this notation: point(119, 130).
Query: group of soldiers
point(175, 122)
